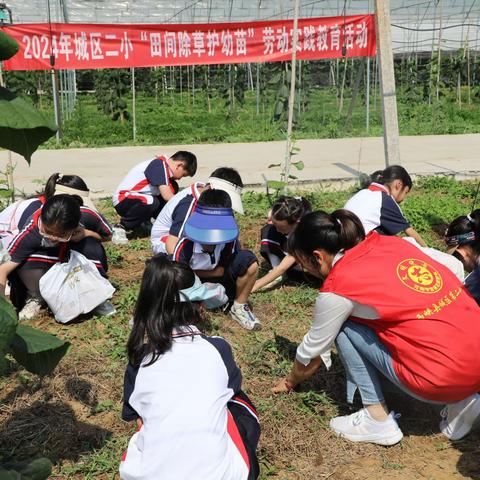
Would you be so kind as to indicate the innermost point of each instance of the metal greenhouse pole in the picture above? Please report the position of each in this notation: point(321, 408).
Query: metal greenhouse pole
point(134, 107)
point(54, 77)
point(291, 99)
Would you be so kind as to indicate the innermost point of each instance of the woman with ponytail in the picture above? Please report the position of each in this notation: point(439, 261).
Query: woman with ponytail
point(393, 312)
point(183, 389)
point(377, 204)
point(283, 217)
point(463, 240)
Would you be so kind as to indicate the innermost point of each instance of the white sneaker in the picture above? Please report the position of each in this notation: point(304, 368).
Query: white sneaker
point(31, 309)
point(361, 427)
point(105, 309)
point(460, 417)
point(245, 317)
point(119, 236)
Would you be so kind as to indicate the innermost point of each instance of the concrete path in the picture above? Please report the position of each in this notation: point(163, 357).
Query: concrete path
point(325, 160)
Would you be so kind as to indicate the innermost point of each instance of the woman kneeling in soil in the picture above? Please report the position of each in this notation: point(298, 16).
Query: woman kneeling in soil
point(183, 389)
point(45, 239)
point(393, 312)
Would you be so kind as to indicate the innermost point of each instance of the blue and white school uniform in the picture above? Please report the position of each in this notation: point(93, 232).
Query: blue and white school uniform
point(378, 210)
point(14, 216)
point(142, 182)
point(137, 198)
point(197, 422)
point(171, 220)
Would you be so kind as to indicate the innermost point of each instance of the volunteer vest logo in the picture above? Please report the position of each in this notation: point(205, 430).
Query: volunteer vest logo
point(419, 276)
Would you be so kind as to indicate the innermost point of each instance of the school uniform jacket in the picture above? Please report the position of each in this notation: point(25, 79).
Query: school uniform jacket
point(378, 210)
point(188, 432)
point(173, 216)
point(29, 246)
point(142, 182)
point(191, 253)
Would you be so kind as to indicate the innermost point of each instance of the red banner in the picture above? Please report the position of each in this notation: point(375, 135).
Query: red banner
point(84, 46)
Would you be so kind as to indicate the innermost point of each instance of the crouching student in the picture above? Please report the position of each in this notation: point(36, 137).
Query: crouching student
point(210, 247)
point(377, 206)
point(43, 241)
point(284, 215)
point(183, 389)
point(168, 226)
point(463, 240)
point(146, 189)
point(393, 312)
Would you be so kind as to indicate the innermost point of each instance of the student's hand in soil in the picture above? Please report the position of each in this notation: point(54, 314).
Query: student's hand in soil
point(283, 386)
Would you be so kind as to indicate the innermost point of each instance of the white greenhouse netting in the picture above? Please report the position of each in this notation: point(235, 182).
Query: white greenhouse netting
point(416, 25)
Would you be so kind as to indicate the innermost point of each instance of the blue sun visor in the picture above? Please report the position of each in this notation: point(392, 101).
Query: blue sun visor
point(211, 226)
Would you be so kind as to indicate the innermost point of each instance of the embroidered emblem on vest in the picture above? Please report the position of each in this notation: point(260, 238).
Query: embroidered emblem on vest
point(419, 276)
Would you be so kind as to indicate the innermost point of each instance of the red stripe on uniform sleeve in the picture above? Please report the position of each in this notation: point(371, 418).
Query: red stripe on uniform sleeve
point(179, 248)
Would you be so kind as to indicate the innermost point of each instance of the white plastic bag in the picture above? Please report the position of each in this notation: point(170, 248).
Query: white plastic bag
point(74, 287)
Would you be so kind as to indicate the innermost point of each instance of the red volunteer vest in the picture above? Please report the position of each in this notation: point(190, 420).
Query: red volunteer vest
point(428, 321)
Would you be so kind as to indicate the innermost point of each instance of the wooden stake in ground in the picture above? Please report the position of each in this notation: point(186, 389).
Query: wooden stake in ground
point(387, 83)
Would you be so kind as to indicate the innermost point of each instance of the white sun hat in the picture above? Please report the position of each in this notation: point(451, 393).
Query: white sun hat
point(234, 192)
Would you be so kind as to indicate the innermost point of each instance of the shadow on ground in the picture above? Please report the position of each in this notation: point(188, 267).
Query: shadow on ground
point(48, 427)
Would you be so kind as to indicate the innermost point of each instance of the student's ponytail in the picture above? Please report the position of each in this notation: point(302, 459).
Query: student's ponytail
point(340, 230)
point(159, 310)
point(386, 177)
point(49, 191)
point(70, 181)
point(350, 228)
point(366, 180)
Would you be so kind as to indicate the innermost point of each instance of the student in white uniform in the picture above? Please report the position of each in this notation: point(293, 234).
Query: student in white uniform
point(183, 389)
point(146, 189)
point(168, 226)
point(377, 206)
point(211, 248)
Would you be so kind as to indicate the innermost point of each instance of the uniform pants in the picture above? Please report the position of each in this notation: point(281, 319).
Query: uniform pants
point(25, 279)
point(133, 211)
point(245, 418)
point(236, 267)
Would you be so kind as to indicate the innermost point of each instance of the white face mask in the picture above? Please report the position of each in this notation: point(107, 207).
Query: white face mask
point(47, 243)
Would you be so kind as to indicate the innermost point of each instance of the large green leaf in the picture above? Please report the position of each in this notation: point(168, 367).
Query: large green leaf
point(37, 469)
point(8, 46)
point(8, 323)
point(37, 351)
point(22, 127)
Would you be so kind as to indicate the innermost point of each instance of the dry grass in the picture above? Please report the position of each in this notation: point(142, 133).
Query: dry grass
point(73, 417)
